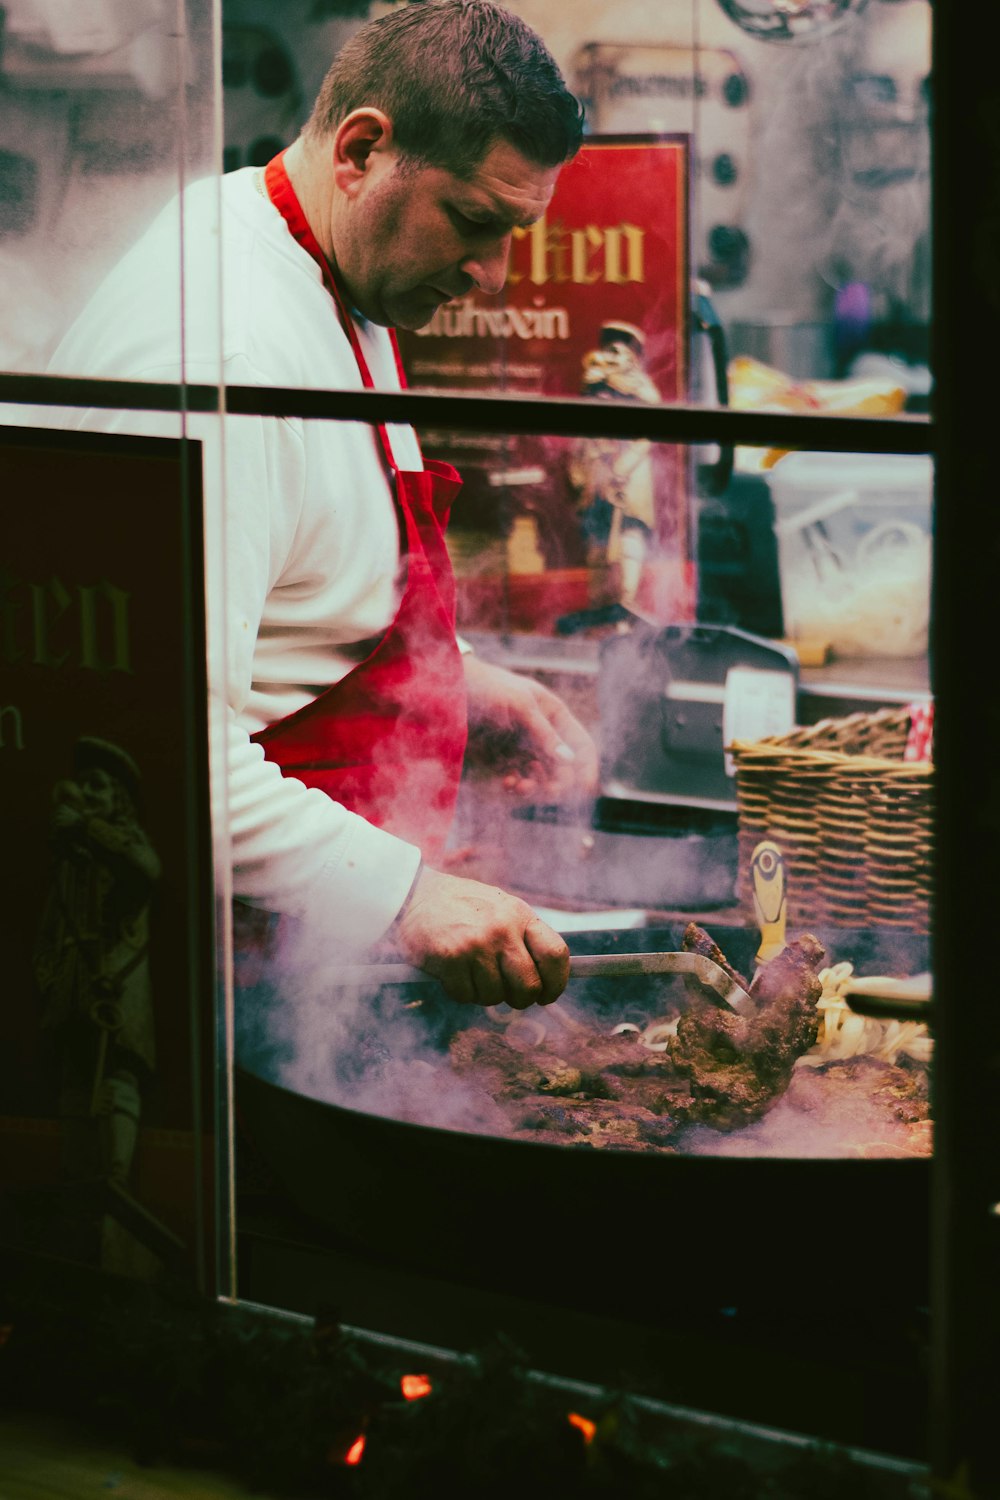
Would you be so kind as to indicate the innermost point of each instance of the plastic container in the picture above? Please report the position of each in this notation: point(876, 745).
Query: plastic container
point(854, 550)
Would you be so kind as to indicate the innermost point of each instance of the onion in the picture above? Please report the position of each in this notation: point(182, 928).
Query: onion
point(657, 1037)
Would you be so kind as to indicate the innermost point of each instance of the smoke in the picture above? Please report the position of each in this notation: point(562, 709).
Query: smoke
point(816, 1117)
point(31, 314)
point(841, 174)
point(376, 1050)
point(384, 1052)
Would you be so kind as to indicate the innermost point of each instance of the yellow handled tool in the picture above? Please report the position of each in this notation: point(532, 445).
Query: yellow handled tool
point(767, 873)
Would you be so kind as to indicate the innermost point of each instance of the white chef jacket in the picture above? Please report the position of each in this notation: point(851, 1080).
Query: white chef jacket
point(303, 510)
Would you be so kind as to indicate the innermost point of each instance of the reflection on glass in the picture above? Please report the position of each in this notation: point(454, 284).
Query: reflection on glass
point(790, 20)
point(641, 1062)
point(107, 111)
point(809, 228)
point(606, 573)
point(811, 213)
point(109, 115)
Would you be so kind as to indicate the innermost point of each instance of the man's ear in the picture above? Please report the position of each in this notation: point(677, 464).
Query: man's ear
point(362, 140)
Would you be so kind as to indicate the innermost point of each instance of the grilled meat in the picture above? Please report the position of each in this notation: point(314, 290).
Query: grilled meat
point(583, 1086)
point(737, 1066)
point(697, 940)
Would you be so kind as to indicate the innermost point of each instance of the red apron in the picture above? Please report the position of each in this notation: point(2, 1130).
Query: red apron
point(387, 741)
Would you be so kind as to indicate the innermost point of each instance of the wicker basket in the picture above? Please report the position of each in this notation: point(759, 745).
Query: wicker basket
point(852, 818)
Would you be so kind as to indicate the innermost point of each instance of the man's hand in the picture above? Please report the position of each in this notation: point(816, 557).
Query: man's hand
point(525, 734)
point(485, 946)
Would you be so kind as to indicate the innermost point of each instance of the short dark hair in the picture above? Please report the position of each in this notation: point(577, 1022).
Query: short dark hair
point(454, 76)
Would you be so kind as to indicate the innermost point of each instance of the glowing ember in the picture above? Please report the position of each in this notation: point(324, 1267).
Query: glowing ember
point(415, 1386)
point(586, 1426)
point(354, 1452)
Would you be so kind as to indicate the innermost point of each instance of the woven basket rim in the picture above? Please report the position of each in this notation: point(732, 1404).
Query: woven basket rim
point(773, 750)
point(852, 817)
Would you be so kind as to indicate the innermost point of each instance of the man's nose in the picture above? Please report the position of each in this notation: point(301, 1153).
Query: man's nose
point(488, 266)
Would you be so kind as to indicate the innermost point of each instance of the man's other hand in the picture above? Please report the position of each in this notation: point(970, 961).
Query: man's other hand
point(524, 734)
point(486, 947)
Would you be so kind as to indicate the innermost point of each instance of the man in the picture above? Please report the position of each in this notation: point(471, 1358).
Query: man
point(438, 130)
point(91, 960)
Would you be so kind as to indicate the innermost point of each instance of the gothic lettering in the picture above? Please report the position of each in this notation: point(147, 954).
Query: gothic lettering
point(11, 728)
point(585, 242)
point(58, 626)
point(583, 256)
point(464, 319)
point(631, 237)
point(115, 633)
point(49, 602)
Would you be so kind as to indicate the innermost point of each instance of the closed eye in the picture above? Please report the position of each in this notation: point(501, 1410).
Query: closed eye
point(469, 226)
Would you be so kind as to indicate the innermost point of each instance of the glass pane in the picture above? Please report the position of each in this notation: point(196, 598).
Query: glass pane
point(782, 260)
point(117, 104)
point(346, 1053)
point(687, 795)
point(109, 273)
point(802, 237)
point(809, 135)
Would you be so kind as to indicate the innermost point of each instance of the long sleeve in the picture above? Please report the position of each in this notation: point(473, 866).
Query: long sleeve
point(295, 850)
point(302, 544)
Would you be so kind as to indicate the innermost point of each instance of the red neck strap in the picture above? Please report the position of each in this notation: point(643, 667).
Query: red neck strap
point(283, 196)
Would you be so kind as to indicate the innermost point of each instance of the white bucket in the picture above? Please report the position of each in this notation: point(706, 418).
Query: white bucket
point(854, 550)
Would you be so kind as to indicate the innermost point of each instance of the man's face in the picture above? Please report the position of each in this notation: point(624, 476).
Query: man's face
point(416, 236)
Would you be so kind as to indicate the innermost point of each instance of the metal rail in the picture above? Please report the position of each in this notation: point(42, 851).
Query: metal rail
point(557, 416)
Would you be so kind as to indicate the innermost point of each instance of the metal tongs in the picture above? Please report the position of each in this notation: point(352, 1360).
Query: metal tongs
point(891, 999)
point(702, 974)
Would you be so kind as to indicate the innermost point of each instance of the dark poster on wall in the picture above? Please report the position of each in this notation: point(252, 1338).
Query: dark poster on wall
point(106, 1027)
point(596, 304)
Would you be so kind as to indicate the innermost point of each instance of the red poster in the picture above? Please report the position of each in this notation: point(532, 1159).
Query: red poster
point(596, 304)
point(106, 1035)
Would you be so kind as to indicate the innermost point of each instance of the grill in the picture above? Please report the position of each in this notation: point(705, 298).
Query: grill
point(741, 1229)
